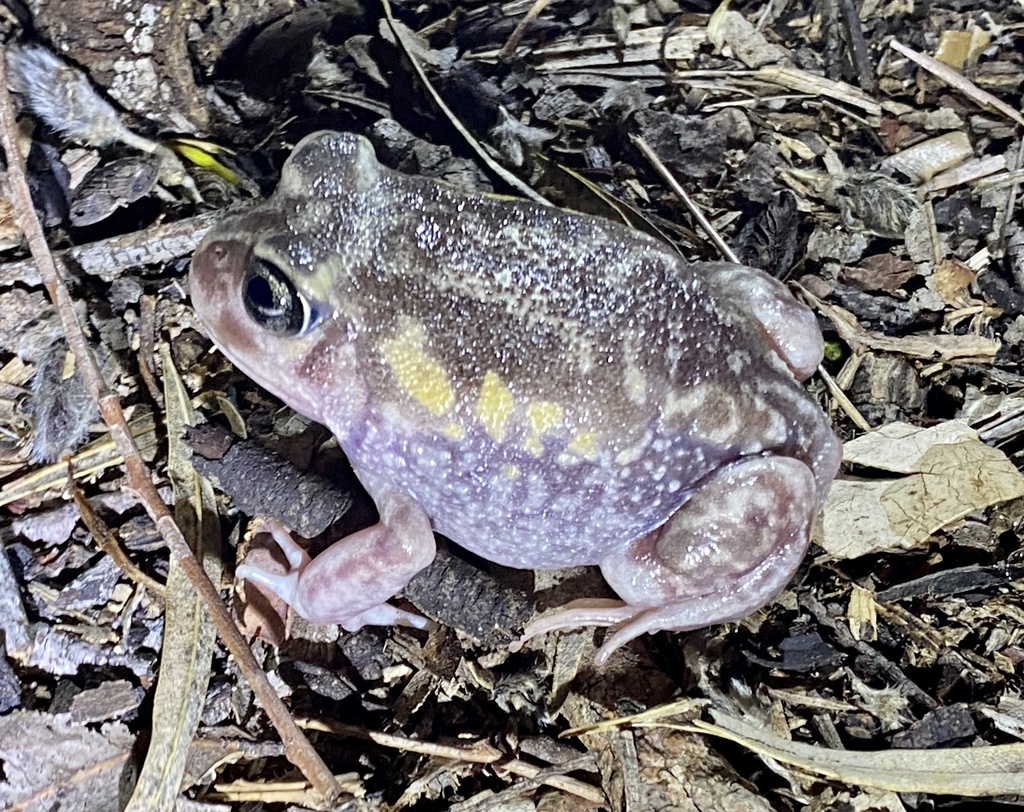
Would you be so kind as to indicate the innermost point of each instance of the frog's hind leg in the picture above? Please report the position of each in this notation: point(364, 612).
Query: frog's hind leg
point(723, 554)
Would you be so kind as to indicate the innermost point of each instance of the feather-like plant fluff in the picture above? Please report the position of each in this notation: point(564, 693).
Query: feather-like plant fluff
point(63, 98)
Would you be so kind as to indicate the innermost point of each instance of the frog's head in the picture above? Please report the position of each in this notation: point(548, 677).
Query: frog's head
point(269, 284)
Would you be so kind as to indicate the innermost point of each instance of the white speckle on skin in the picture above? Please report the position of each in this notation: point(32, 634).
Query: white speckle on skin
point(149, 13)
point(428, 234)
point(738, 361)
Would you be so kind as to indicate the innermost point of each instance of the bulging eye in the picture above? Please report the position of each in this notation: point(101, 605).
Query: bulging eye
point(273, 302)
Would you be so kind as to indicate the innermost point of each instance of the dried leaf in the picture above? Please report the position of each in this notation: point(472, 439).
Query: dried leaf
point(879, 449)
point(949, 474)
point(106, 702)
point(940, 348)
point(955, 79)
point(189, 635)
point(883, 272)
point(861, 613)
point(49, 526)
point(92, 459)
point(951, 281)
point(968, 771)
point(926, 159)
point(601, 52)
point(956, 48)
point(804, 82)
point(967, 172)
point(408, 42)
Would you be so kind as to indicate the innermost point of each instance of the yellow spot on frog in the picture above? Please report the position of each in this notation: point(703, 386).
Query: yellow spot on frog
point(423, 377)
point(455, 431)
point(511, 471)
point(583, 444)
point(495, 405)
point(543, 416)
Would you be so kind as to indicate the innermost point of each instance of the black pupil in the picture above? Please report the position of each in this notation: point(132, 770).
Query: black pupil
point(272, 300)
point(261, 292)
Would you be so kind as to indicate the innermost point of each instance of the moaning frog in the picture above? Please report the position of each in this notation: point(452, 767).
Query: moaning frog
point(546, 389)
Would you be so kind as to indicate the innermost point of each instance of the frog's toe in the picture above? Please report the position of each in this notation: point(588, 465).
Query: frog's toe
point(630, 621)
point(646, 620)
point(295, 555)
point(349, 582)
point(283, 585)
point(676, 617)
point(260, 568)
point(385, 614)
point(576, 614)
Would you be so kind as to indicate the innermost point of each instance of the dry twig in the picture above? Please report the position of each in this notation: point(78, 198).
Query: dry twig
point(957, 80)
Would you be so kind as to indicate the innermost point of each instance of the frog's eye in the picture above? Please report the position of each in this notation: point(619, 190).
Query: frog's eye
point(273, 302)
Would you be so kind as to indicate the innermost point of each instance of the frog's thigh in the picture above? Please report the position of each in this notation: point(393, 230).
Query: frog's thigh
point(723, 554)
point(349, 582)
point(752, 512)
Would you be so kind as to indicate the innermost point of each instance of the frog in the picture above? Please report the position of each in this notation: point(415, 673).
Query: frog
point(546, 389)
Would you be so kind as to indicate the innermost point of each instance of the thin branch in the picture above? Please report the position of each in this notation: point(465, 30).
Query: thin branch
point(862, 67)
point(517, 35)
point(680, 192)
point(957, 80)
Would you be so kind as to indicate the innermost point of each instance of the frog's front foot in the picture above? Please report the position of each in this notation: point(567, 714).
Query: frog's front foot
point(350, 582)
point(726, 552)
